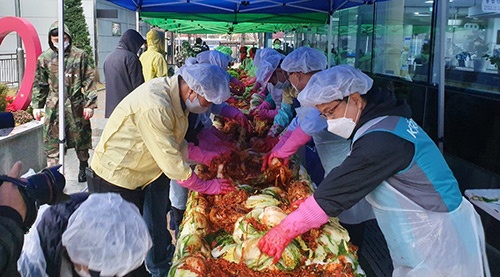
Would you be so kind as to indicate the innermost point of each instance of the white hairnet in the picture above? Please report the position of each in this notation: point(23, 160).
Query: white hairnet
point(305, 60)
point(209, 81)
point(334, 83)
point(268, 64)
point(214, 57)
point(262, 54)
point(107, 234)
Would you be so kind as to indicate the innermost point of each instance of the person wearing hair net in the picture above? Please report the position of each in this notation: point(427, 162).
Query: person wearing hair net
point(301, 65)
point(142, 148)
point(204, 139)
point(96, 235)
point(430, 228)
point(273, 78)
point(153, 60)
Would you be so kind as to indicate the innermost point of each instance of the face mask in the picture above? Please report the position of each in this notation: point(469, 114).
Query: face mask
point(276, 46)
point(82, 272)
point(344, 126)
point(282, 85)
point(66, 45)
point(195, 106)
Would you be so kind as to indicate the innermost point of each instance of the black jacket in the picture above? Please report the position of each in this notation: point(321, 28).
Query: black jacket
point(374, 157)
point(123, 70)
point(51, 227)
point(11, 240)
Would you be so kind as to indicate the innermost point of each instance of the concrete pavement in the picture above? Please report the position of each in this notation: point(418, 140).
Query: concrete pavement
point(71, 164)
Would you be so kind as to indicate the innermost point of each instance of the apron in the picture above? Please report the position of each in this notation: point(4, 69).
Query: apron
point(428, 243)
point(332, 151)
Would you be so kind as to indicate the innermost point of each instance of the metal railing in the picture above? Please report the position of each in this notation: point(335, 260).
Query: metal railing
point(8, 69)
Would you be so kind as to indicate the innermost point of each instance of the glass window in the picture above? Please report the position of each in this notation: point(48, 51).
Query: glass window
point(402, 39)
point(473, 45)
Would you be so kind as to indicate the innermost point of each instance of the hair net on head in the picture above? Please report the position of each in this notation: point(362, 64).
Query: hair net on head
point(107, 234)
point(334, 83)
point(209, 81)
point(214, 57)
point(268, 64)
point(305, 60)
point(262, 55)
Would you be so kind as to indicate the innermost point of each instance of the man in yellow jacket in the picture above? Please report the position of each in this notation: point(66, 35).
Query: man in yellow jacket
point(142, 147)
point(153, 60)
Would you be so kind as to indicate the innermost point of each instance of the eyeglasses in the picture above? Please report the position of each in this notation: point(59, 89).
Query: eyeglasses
point(330, 112)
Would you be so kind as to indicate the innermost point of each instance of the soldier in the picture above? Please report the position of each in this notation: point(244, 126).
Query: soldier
point(81, 99)
point(186, 52)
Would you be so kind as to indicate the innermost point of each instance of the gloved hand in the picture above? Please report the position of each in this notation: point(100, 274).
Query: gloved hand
point(255, 100)
point(297, 139)
point(309, 215)
point(238, 84)
point(214, 186)
point(200, 155)
point(264, 145)
point(264, 106)
point(232, 112)
point(275, 130)
point(88, 113)
point(266, 114)
point(37, 114)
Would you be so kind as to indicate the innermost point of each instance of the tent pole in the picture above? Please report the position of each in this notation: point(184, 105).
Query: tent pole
point(137, 19)
point(62, 87)
point(442, 15)
point(330, 39)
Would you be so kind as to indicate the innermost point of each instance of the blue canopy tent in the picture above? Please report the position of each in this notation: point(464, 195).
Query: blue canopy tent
point(238, 11)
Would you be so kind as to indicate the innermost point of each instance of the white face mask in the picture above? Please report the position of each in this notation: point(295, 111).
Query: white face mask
point(282, 85)
point(344, 126)
point(82, 272)
point(66, 45)
point(195, 106)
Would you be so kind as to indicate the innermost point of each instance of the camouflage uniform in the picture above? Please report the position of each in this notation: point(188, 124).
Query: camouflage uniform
point(186, 52)
point(80, 94)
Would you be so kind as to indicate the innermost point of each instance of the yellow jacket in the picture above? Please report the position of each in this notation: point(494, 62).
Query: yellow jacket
point(153, 60)
point(144, 137)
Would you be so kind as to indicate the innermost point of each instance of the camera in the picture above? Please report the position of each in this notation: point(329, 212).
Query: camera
point(45, 187)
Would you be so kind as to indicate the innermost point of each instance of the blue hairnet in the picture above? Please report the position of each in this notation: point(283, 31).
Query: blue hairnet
point(214, 57)
point(107, 234)
point(305, 60)
point(334, 83)
point(209, 81)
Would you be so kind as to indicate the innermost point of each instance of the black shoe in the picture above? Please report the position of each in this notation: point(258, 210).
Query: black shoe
point(82, 177)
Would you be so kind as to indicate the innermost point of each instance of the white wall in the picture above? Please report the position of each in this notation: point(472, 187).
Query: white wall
point(106, 42)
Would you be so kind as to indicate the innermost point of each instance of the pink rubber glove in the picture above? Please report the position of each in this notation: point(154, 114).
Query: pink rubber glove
point(264, 106)
point(266, 114)
point(297, 139)
point(309, 215)
point(283, 140)
point(214, 186)
point(200, 155)
point(232, 112)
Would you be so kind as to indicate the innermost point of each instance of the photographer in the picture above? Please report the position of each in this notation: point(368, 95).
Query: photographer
point(12, 215)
